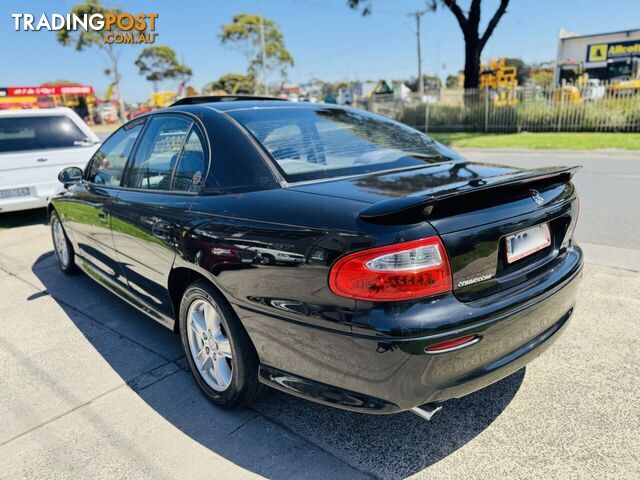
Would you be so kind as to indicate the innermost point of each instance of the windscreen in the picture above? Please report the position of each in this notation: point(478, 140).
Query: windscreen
point(317, 143)
point(39, 133)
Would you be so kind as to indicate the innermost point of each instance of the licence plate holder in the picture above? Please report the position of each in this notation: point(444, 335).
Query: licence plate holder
point(527, 242)
point(15, 192)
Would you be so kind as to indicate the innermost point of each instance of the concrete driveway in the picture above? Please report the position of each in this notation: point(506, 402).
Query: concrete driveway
point(89, 388)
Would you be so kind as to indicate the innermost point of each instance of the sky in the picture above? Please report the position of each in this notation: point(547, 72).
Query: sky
point(326, 39)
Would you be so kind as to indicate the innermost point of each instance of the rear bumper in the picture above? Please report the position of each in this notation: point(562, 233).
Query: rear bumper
point(39, 195)
point(16, 204)
point(382, 371)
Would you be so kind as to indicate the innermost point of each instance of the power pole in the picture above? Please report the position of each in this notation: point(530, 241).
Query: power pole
point(418, 14)
point(264, 58)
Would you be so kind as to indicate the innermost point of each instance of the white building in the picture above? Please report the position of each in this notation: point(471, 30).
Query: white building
point(605, 56)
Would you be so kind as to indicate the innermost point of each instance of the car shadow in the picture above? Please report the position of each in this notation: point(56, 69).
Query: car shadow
point(23, 218)
point(387, 446)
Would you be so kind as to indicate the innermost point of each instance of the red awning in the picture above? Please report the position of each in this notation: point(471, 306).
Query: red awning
point(47, 91)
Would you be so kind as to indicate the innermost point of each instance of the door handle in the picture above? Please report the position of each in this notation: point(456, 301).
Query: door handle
point(42, 160)
point(102, 216)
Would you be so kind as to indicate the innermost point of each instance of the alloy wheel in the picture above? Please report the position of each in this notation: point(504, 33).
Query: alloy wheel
point(60, 243)
point(209, 345)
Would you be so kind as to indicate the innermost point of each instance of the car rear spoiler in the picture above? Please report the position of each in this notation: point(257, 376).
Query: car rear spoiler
point(475, 195)
point(197, 100)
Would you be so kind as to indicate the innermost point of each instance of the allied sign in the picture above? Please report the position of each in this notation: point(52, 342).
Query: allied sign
point(601, 52)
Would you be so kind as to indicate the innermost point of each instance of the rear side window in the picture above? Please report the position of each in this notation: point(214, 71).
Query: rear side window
point(19, 134)
point(108, 163)
point(192, 165)
point(157, 156)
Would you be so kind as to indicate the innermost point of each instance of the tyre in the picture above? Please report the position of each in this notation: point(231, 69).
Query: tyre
point(220, 354)
point(62, 247)
point(267, 259)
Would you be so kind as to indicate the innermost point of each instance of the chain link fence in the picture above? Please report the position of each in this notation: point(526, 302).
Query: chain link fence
point(593, 107)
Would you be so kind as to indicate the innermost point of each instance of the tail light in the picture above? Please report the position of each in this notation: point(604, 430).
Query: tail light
point(402, 271)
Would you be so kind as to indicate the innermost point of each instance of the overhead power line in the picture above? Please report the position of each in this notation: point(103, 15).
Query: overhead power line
point(365, 43)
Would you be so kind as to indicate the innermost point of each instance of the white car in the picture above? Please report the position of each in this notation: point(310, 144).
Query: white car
point(35, 145)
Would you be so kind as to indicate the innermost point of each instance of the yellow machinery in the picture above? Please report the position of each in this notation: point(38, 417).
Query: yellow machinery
point(624, 76)
point(627, 82)
point(567, 94)
point(162, 99)
point(626, 87)
point(167, 97)
point(501, 81)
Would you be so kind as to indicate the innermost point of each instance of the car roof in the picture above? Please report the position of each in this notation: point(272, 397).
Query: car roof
point(36, 112)
point(252, 104)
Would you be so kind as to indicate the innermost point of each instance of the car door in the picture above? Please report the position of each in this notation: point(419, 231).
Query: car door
point(165, 171)
point(88, 206)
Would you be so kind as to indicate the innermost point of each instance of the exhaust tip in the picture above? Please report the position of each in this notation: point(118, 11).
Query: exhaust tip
point(427, 411)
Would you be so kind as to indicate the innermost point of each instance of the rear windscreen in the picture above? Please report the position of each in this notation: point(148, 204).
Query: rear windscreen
point(38, 133)
point(316, 143)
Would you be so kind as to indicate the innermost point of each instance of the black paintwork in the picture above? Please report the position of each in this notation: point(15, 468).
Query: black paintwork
point(268, 247)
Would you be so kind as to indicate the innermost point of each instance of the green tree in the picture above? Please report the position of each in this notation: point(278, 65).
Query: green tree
point(474, 41)
point(341, 85)
point(60, 82)
point(159, 63)
point(232, 83)
point(453, 81)
point(542, 76)
point(246, 33)
point(523, 70)
point(85, 39)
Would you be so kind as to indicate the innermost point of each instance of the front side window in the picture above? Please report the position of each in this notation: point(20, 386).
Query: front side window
point(39, 133)
point(158, 152)
point(315, 143)
point(107, 164)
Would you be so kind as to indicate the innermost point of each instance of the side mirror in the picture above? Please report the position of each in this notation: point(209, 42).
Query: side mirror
point(70, 175)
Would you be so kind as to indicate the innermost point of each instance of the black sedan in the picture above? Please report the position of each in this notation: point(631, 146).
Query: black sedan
point(324, 251)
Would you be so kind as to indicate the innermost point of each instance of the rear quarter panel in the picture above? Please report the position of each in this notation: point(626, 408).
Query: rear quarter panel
point(316, 227)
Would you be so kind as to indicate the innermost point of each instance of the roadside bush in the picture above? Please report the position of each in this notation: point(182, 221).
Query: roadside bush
point(544, 115)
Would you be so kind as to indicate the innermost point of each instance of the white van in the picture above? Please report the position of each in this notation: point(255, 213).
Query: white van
point(35, 145)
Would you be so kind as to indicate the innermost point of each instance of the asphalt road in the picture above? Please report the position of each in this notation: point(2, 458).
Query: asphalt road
point(92, 389)
point(609, 187)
